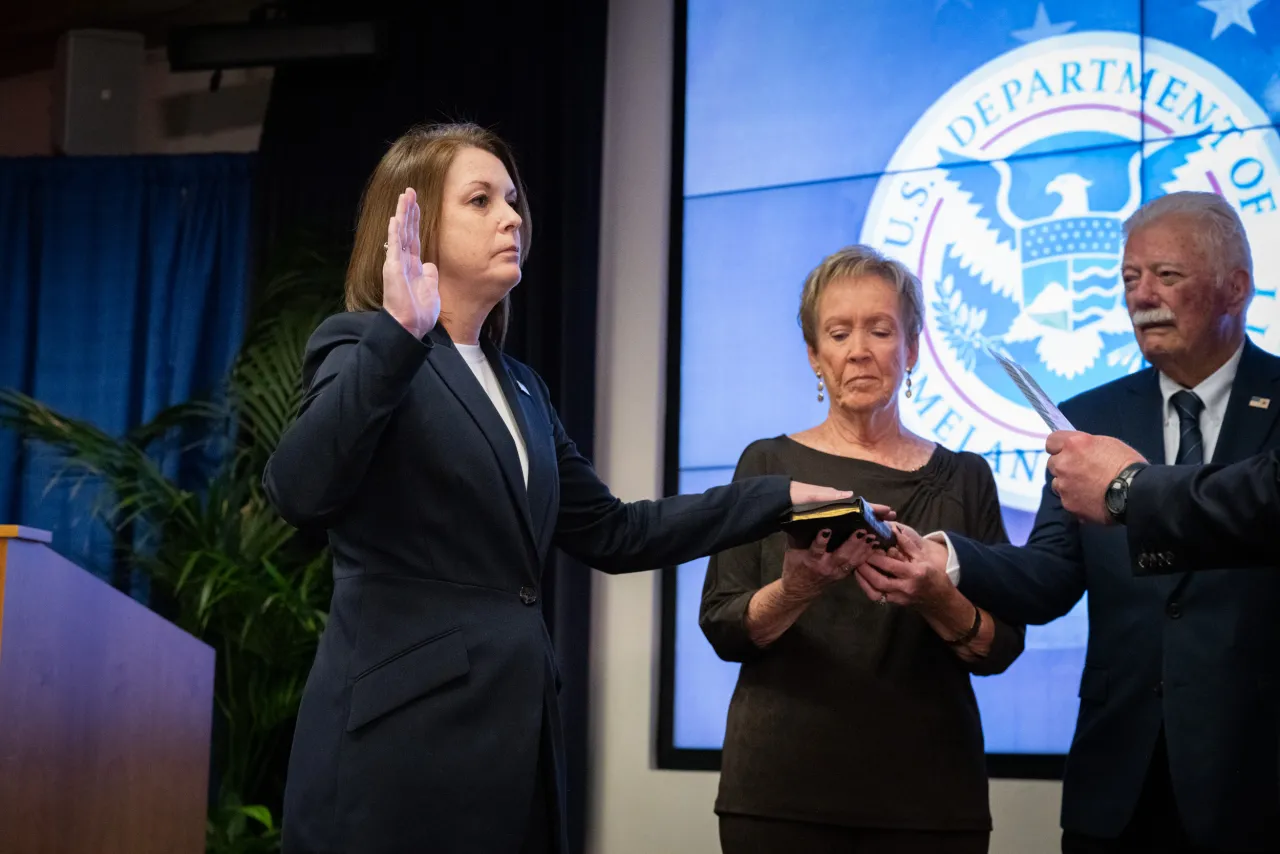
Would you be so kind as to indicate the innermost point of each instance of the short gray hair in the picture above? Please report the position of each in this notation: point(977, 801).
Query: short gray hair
point(853, 262)
point(1222, 236)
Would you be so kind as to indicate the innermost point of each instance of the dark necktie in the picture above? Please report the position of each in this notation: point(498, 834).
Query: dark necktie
point(1190, 443)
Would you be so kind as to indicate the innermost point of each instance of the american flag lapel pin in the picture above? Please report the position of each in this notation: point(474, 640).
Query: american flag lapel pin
point(1259, 402)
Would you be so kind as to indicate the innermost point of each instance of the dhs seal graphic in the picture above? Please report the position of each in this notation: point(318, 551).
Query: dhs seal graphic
point(1008, 199)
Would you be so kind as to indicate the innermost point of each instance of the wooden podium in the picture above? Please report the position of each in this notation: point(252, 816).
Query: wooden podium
point(105, 714)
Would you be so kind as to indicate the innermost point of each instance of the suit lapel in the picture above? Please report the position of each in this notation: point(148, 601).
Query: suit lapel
point(457, 375)
point(1245, 428)
point(541, 462)
point(1144, 420)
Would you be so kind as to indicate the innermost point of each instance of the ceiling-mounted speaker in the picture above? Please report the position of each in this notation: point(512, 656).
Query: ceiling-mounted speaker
point(97, 92)
point(214, 47)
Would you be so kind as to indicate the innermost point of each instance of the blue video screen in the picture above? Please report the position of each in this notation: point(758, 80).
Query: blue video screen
point(957, 136)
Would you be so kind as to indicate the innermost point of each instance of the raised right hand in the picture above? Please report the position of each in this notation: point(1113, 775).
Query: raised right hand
point(410, 288)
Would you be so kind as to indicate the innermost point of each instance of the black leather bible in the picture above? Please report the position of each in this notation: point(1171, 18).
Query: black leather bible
point(844, 518)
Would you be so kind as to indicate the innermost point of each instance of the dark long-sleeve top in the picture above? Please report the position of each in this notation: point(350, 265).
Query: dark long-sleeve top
point(859, 714)
point(422, 717)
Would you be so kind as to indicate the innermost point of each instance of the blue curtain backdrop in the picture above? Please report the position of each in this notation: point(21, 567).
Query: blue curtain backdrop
point(123, 284)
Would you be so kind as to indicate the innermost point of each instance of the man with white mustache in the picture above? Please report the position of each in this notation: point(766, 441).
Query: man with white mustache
point(1178, 730)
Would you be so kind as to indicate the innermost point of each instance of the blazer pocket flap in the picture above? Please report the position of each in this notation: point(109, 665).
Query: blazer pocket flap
point(406, 676)
point(1093, 684)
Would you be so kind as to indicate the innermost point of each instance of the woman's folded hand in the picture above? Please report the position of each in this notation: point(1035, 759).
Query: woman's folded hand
point(914, 573)
point(806, 572)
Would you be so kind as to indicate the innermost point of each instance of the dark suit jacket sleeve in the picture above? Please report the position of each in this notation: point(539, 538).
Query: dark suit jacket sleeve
point(356, 371)
point(1034, 584)
point(1184, 518)
point(733, 577)
point(1009, 638)
point(615, 536)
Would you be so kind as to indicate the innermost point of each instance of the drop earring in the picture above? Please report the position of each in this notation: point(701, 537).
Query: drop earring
point(821, 396)
point(909, 383)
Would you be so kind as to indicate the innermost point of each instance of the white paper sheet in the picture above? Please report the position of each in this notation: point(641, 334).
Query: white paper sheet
point(1031, 390)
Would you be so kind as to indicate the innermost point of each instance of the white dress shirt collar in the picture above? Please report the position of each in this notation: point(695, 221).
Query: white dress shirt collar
point(1215, 392)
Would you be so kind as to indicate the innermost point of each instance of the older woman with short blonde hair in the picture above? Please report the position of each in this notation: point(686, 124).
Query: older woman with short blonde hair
point(853, 726)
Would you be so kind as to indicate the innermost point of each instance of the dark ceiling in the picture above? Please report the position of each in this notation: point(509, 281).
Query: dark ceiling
point(29, 29)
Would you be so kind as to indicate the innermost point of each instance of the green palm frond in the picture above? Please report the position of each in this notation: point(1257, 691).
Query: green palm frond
point(192, 414)
point(229, 569)
point(84, 452)
point(265, 383)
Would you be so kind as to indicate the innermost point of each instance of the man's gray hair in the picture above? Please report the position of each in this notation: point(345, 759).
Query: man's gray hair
point(1220, 232)
point(853, 262)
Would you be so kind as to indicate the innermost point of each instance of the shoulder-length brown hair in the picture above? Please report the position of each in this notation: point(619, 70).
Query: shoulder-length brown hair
point(421, 159)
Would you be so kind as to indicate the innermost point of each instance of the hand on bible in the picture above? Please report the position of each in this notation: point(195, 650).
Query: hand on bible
point(807, 493)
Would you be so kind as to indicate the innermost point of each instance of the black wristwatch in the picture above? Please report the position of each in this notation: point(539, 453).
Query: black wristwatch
point(1117, 495)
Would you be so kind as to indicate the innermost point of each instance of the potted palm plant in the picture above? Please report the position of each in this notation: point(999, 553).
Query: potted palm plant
point(220, 562)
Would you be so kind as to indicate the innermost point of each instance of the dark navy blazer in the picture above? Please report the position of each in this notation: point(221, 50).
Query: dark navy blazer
point(1186, 518)
point(434, 682)
point(1198, 652)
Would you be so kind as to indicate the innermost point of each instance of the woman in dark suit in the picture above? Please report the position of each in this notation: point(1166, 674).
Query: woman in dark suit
point(443, 477)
